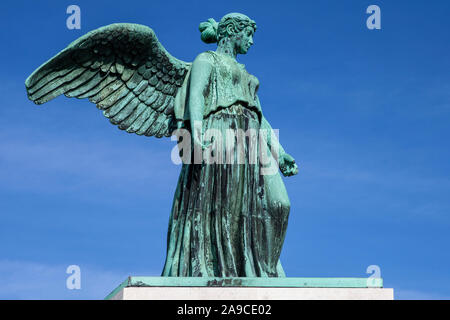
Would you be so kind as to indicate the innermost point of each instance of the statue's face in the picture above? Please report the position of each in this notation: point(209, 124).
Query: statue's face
point(244, 40)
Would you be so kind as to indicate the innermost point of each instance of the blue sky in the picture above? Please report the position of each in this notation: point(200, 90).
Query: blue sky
point(364, 112)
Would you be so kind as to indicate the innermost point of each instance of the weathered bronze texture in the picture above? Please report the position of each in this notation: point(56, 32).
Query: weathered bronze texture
point(229, 218)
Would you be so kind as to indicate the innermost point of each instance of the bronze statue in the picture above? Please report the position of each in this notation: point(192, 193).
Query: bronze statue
point(229, 217)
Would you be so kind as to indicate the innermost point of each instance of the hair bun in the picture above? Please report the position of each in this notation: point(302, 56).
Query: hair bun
point(209, 30)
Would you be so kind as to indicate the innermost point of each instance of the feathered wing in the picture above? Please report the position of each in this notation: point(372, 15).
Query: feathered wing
point(124, 70)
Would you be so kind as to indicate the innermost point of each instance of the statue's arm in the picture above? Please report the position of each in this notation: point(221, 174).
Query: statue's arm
point(273, 144)
point(286, 162)
point(265, 125)
point(200, 77)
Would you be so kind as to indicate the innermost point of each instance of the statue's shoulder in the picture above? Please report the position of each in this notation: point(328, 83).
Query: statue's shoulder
point(206, 56)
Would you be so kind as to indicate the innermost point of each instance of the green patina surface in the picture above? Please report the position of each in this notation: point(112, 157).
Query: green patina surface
point(230, 214)
point(248, 282)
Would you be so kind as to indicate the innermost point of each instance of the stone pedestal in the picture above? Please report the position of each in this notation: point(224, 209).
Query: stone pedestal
point(173, 288)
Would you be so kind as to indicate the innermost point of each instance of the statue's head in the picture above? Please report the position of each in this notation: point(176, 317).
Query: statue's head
point(234, 27)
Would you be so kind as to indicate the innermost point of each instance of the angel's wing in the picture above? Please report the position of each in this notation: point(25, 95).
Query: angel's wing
point(124, 70)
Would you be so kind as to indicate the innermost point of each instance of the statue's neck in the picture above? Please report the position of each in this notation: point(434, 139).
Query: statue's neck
point(226, 47)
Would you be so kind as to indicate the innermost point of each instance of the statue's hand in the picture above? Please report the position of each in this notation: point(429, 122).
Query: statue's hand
point(287, 165)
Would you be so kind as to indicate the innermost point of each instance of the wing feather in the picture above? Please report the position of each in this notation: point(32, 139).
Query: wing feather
point(154, 129)
point(97, 87)
point(125, 112)
point(148, 122)
point(86, 86)
point(110, 94)
point(141, 108)
point(116, 107)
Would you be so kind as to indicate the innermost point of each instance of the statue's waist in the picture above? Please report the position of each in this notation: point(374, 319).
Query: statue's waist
point(238, 107)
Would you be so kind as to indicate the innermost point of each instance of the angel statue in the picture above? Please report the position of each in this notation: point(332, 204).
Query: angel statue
point(228, 218)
